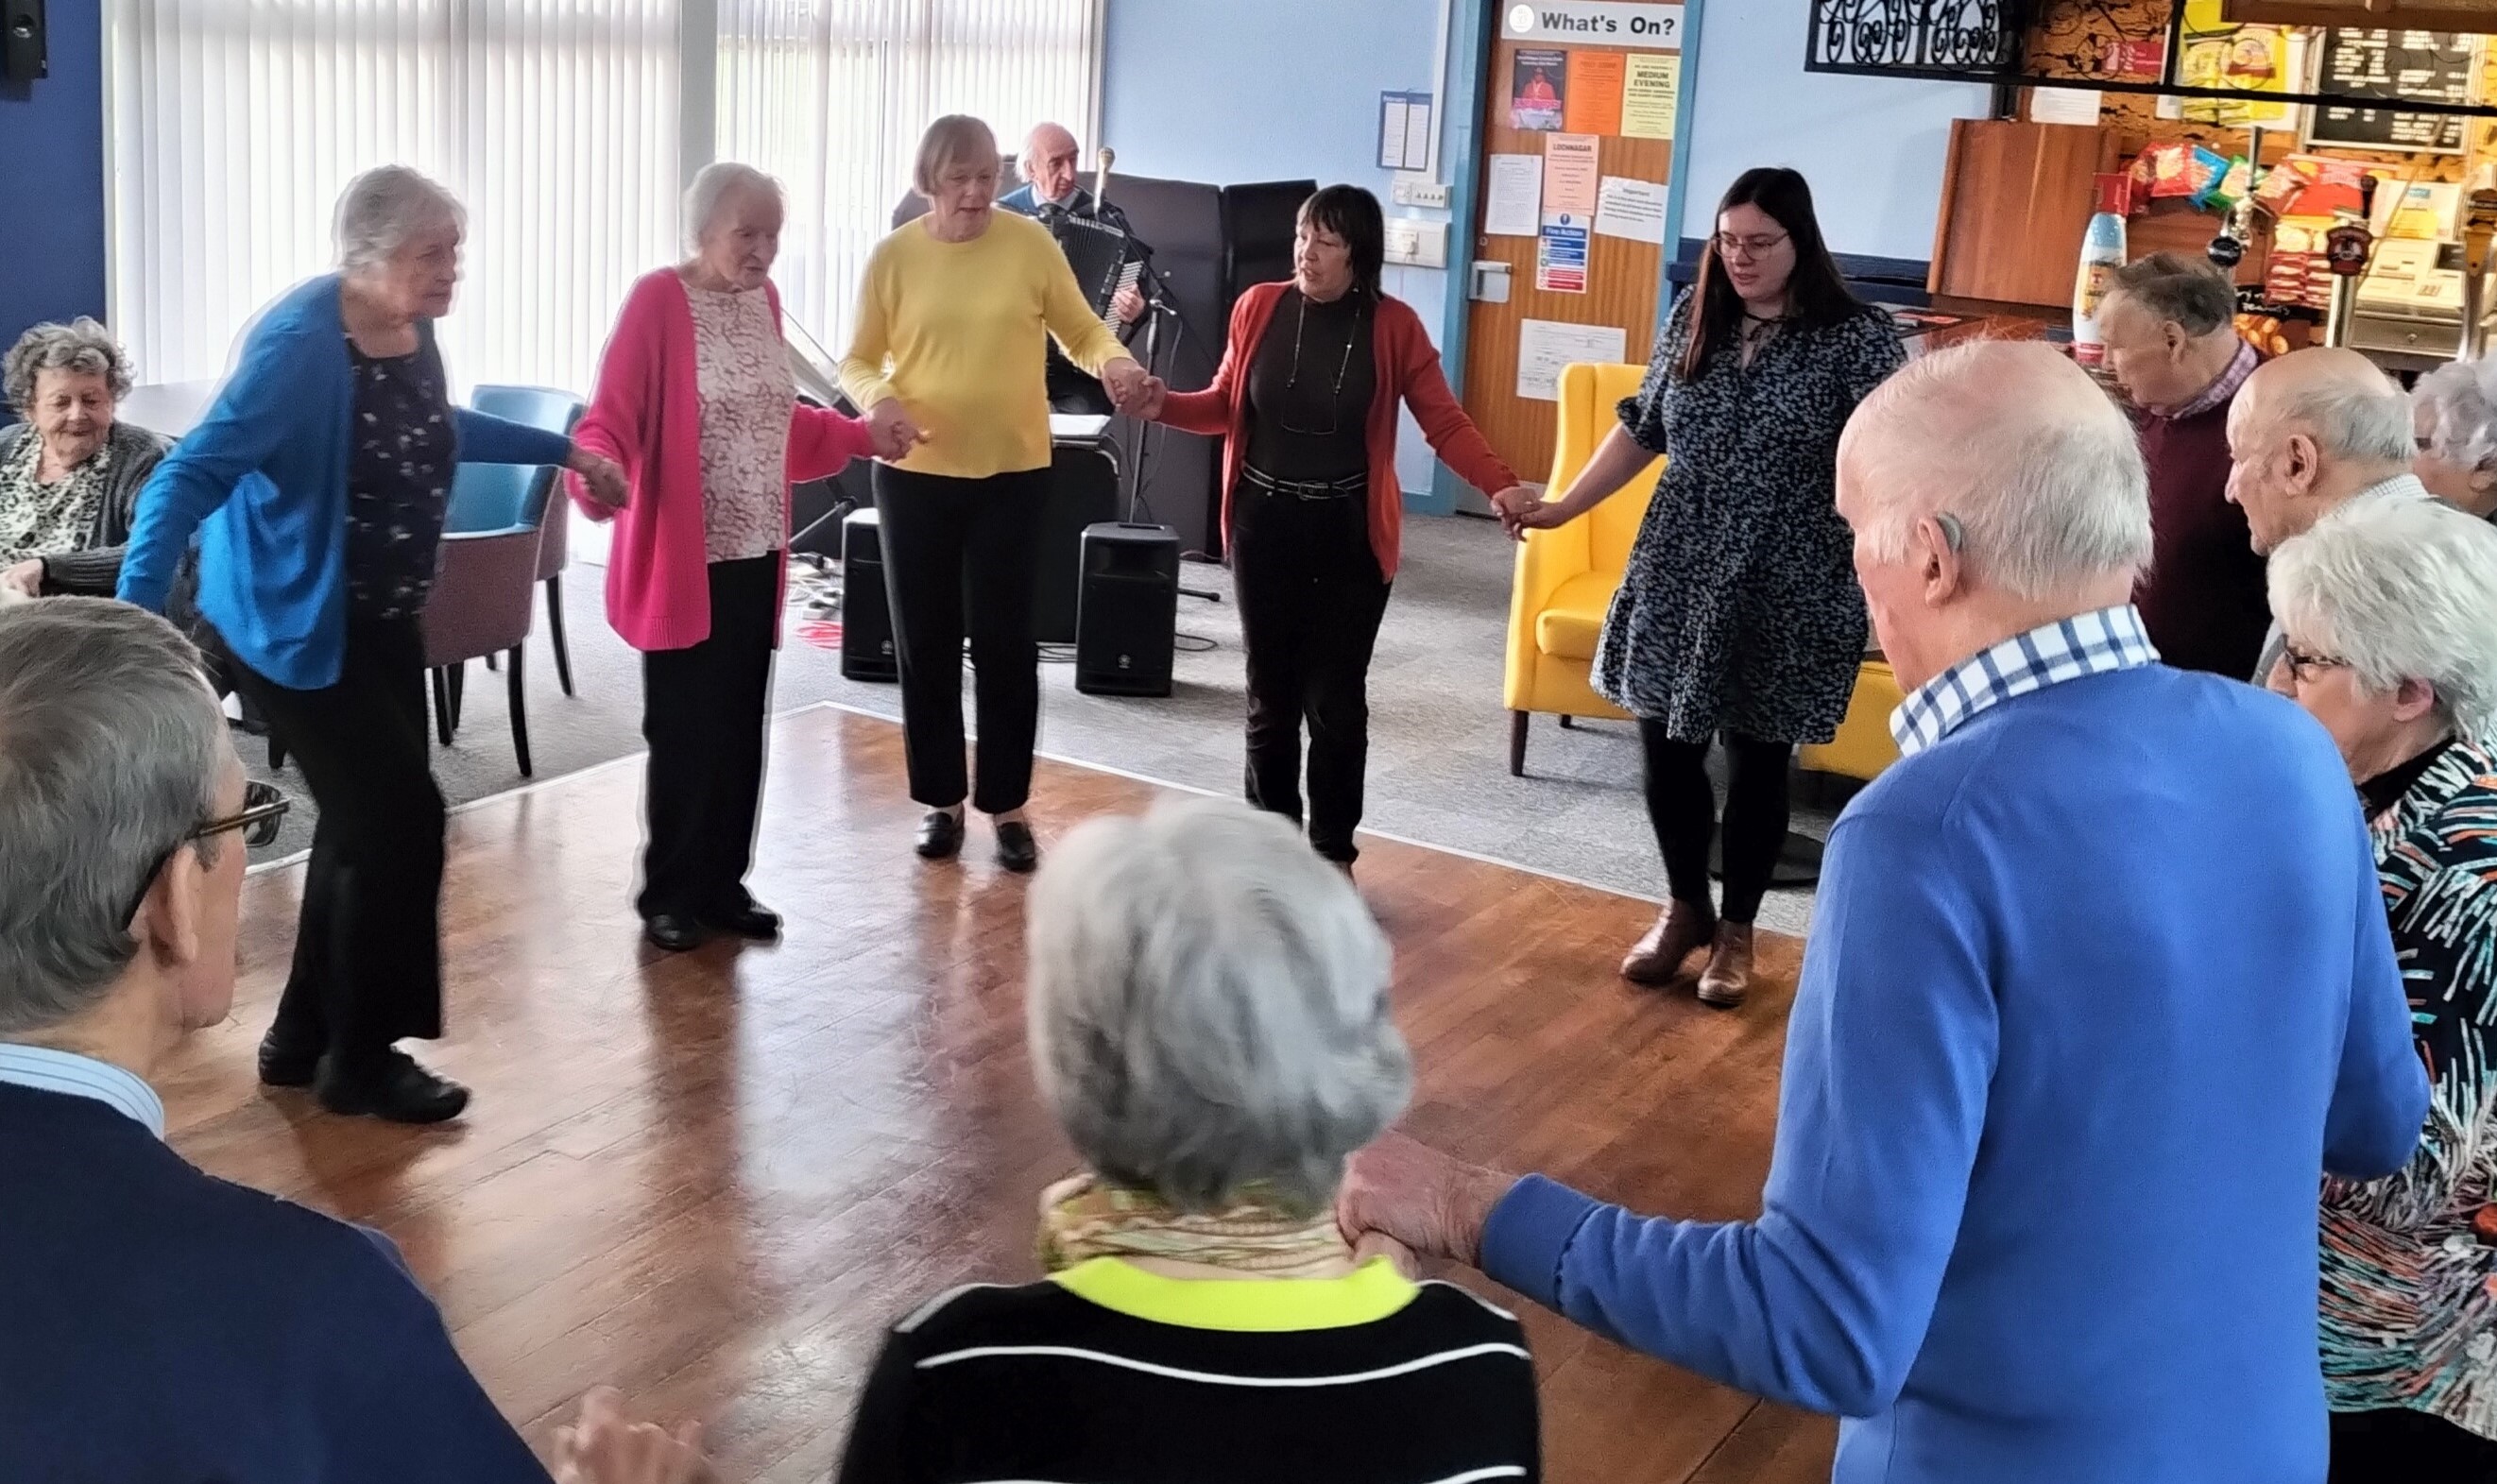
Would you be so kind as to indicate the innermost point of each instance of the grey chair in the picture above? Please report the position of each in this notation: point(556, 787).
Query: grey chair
point(555, 412)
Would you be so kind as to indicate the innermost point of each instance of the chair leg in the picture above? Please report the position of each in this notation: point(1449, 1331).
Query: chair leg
point(458, 692)
point(1568, 722)
point(490, 662)
point(276, 750)
point(442, 721)
point(520, 711)
point(1517, 744)
point(555, 627)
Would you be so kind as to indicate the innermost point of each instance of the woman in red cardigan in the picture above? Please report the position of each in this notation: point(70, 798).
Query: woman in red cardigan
point(1305, 401)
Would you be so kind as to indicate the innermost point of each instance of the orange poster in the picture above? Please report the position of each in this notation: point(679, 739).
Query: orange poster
point(1593, 96)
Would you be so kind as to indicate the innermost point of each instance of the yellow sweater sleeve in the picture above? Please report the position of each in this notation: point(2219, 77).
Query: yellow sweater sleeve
point(1080, 334)
point(863, 371)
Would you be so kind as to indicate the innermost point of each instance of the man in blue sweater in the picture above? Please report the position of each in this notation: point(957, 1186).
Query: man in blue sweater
point(158, 1325)
point(2099, 987)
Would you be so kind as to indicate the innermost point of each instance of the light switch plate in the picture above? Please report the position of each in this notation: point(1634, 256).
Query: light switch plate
point(1413, 243)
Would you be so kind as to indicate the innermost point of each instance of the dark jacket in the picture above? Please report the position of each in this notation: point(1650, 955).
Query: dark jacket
point(92, 570)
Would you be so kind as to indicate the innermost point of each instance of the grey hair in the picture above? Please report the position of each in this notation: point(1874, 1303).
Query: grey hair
point(2033, 463)
point(711, 185)
point(382, 209)
point(110, 752)
point(953, 137)
point(2461, 397)
point(2403, 589)
point(1208, 1008)
point(2351, 419)
point(82, 347)
point(2175, 289)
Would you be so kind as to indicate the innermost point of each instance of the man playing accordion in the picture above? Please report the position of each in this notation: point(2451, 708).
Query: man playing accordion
point(1050, 193)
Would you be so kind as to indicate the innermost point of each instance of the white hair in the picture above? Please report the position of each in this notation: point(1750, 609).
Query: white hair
point(2018, 451)
point(2350, 419)
point(712, 185)
point(2403, 589)
point(2460, 396)
point(382, 209)
point(1207, 1009)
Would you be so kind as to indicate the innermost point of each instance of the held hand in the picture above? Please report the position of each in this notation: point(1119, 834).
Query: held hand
point(1126, 306)
point(1149, 408)
point(1126, 381)
point(892, 431)
point(607, 1446)
point(605, 481)
point(25, 579)
point(1419, 1198)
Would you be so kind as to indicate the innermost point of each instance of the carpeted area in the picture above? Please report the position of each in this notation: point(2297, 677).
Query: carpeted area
point(1438, 758)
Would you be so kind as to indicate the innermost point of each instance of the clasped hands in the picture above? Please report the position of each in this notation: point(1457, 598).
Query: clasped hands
point(1522, 509)
point(604, 477)
point(1133, 391)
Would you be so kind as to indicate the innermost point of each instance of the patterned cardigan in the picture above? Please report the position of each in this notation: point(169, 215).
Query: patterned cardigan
point(2410, 1262)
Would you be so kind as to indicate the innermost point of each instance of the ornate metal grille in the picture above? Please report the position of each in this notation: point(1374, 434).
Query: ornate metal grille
point(1971, 39)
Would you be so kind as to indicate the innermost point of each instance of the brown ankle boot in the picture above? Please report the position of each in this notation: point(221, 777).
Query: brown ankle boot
point(1655, 960)
point(1727, 978)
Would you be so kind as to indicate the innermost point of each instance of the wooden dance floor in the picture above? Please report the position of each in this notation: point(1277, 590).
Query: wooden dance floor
point(714, 1179)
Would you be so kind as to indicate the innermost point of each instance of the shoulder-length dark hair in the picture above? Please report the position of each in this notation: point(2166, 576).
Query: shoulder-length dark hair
point(1353, 214)
point(1816, 293)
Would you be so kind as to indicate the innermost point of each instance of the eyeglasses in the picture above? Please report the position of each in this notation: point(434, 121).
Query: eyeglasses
point(263, 807)
point(1728, 244)
point(2304, 667)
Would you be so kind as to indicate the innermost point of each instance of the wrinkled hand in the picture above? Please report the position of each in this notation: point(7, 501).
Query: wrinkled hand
point(894, 435)
point(1127, 383)
point(1126, 306)
point(1417, 1198)
point(605, 479)
point(607, 1446)
point(25, 579)
point(1149, 406)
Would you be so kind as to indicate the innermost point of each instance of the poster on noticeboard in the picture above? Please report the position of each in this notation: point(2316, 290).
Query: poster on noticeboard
point(1538, 92)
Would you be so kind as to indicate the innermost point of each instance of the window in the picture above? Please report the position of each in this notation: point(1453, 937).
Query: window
point(235, 123)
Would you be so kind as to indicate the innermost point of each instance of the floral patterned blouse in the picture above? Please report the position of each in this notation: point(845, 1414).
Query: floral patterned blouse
point(2410, 1261)
point(749, 393)
point(39, 520)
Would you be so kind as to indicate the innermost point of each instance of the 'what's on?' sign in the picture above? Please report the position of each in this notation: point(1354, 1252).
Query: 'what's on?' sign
point(1596, 23)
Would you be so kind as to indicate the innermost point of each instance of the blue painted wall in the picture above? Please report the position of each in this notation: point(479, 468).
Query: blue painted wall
point(52, 179)
point(1275, 90)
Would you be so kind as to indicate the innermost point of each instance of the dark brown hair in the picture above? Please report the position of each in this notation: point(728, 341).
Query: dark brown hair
point(1816, 293)
point(1353, 214)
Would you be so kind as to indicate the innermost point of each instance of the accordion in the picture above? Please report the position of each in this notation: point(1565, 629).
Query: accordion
point(1100, 254)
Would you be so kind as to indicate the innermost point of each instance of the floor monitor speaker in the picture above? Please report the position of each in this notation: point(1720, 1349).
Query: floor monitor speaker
point(1128, 610)
point(867, 623)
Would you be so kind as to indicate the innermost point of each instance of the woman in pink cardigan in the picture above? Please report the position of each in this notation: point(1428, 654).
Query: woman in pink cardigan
point(697, 402)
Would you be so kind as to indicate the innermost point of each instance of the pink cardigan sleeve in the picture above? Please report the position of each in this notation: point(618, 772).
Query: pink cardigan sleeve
point(821, 440)
point(622, 422)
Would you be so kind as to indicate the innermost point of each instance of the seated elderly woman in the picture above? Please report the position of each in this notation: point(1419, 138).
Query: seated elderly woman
point(2390, 608)
point(1208, 1021)
point(2454, 408)
point(70, 474)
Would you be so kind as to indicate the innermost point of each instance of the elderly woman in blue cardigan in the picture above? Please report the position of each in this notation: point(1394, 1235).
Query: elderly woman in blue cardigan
point(316, 487)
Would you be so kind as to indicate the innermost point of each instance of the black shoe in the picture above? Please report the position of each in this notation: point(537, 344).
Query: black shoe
point(753, 922)
point(940, 835)
point(675, 934)
point(285, 1064)
point(395, 1089)
point(1017, 850)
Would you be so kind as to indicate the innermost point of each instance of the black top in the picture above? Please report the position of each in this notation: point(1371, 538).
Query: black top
point(398, 481)
point(1311, 384)
point(2386, 789)
point(1037, 1383)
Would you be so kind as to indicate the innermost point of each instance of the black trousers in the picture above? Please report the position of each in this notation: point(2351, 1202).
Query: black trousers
point(1310, 600)
point(702, 713)
point(1682, 806)
point(2399, 1446)
point(959, 551)
point(368, 964)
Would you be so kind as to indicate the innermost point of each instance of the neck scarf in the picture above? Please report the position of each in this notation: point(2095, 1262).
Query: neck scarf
point(1086, 1217)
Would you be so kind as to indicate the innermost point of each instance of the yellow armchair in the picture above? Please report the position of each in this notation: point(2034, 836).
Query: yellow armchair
point(1863, 745)
point(1565, 577)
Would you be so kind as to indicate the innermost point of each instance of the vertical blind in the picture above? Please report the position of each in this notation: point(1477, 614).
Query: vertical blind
point(235, 123)
point(831, 96)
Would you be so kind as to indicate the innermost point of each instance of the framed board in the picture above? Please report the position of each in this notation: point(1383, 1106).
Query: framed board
point(2431, 66)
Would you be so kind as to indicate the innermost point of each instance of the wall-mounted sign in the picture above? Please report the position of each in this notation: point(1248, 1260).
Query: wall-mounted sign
point(1595, 24)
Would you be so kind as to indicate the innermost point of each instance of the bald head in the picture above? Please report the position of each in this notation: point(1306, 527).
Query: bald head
point(1050, 156)
point(2309, 431)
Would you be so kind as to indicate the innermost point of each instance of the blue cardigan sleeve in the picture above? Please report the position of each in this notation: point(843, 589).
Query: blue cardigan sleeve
point(488, 439)
point(2380, 1099)
point(1823, 1303)
point(255, 412)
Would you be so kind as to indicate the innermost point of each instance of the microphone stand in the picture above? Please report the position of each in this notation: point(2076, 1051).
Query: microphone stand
point(1162, 301)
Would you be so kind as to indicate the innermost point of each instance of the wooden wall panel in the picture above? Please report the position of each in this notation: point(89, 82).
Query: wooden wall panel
point(2016, 198)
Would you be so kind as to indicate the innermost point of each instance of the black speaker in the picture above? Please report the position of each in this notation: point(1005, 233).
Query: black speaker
point(1083, 493)
point(866, 624)
point(1126, 611)
point(21, 41)
point(1258, 223)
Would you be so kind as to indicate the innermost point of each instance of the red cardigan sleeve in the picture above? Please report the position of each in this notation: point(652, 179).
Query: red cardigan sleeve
point(1452, 435)
point(624, 406)
point(1209, 411)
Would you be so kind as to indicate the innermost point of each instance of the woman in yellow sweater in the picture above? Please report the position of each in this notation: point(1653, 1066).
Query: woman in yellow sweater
point(949, 364)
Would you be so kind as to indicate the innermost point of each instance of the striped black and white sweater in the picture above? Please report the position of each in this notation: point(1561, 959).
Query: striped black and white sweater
point(1110, 1374)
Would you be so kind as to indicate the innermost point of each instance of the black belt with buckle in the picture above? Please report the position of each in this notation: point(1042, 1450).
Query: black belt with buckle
point(1344, 489)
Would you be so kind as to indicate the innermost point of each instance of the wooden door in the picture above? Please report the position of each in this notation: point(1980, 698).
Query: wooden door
point(1622, 274)
point(2017, 198)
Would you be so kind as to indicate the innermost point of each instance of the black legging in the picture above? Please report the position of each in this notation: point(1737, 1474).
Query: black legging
point(1683, 807)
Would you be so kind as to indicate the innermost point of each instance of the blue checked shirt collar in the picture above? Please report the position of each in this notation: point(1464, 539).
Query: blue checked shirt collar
point(2085, 644)
point(59, 1071)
